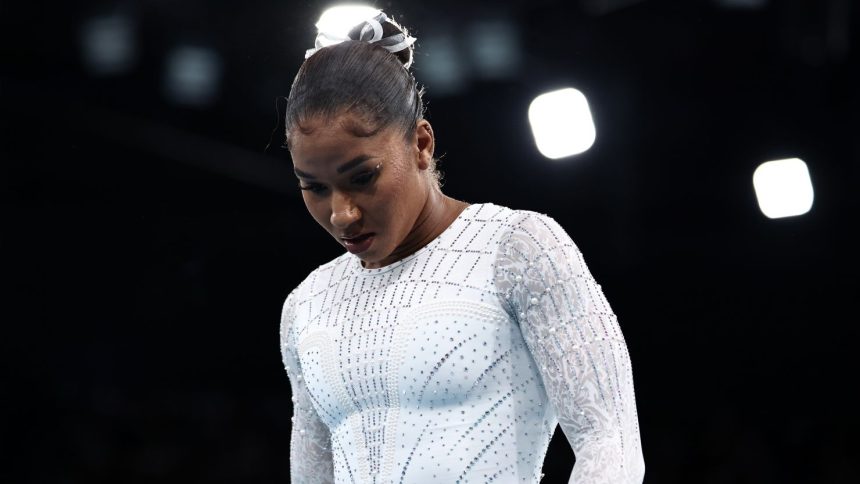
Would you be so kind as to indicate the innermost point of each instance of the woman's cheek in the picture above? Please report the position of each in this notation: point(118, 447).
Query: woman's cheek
point(317, 211)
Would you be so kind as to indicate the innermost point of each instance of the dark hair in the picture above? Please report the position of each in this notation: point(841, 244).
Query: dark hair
point(359, 78)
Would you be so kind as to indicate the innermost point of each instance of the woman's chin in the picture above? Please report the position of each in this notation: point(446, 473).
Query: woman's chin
point(371, 259)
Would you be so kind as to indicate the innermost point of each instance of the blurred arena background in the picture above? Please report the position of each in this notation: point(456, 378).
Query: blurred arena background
point(149, 238)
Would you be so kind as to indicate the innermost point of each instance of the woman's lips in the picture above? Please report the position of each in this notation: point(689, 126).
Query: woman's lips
point(359, 244)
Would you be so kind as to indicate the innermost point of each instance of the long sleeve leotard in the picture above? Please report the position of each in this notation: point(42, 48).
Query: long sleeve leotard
point(457, 363)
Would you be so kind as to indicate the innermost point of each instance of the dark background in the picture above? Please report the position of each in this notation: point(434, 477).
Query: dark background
point(147, 244)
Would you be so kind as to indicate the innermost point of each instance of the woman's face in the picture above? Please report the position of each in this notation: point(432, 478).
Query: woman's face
point(366, 191)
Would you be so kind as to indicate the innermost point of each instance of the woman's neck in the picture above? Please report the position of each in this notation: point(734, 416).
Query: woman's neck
point(437, 214)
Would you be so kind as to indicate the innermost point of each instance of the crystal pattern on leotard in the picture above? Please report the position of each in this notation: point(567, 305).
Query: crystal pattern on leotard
point(457, 363)
point(574, 338)
point(310, 441)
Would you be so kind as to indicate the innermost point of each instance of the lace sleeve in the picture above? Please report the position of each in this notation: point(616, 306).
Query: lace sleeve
point(577, 344)
point(310, 441)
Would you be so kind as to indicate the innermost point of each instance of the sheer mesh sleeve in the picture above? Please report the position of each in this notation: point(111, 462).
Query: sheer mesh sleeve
point(310, 442)
point(577, 344)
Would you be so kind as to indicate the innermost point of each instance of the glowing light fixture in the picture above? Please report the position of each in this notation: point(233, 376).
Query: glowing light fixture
point(192, 75)
point(443, 67)
point(109, 44)
point(561, 123)
point(783, 188)
point(494, 46)
point(339, 20)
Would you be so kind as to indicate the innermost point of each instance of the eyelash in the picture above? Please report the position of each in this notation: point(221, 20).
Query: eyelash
point(361, 179)
point(312, 187)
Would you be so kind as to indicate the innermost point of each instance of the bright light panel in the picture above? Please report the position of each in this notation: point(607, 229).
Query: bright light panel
point(561, 123)
point(339, 20)
point(783, 188)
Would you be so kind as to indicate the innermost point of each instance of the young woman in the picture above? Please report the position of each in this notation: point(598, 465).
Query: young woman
point(450, 339)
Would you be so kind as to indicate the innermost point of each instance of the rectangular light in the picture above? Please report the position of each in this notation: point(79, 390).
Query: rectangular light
point(561, 123)
point(783, 188)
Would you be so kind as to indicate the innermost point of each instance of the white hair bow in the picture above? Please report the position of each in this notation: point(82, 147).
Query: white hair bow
point(371, 32)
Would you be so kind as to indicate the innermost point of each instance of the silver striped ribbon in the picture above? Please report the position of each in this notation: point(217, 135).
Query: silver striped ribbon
point(371, 32)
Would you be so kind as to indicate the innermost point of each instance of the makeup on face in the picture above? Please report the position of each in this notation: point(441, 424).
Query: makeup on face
point(366, 191)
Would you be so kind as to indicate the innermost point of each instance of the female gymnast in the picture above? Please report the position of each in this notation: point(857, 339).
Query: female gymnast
point(451, 338)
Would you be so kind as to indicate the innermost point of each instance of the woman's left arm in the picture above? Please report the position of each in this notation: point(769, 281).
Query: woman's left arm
point(576, 342)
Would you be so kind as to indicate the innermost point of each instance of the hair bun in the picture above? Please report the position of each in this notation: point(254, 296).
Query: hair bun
point(379, 30)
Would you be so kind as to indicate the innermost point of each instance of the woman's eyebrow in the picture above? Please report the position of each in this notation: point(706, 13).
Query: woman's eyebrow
point(302, 174)
point(349, 165)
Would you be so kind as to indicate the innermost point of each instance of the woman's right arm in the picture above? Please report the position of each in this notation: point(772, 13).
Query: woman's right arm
point(310, 442)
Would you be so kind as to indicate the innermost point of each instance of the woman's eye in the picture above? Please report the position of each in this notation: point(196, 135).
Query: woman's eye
point(363, 178)
point(313, 187)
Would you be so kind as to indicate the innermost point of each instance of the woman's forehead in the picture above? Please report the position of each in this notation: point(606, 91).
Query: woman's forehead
point(351, 123)
point(341, 127)
point(323, 143)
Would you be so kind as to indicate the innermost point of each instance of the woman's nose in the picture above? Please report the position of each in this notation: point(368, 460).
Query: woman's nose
point(343, 211)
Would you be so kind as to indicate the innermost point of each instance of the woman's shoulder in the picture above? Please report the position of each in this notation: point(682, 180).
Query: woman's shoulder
point(301, 294)
point(320, 277)
point(508, 229)
point(519, 220)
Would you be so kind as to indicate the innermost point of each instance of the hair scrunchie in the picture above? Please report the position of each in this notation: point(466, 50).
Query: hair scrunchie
point(371, 32)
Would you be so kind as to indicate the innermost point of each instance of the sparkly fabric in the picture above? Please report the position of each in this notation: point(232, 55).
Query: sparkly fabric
point(457, 363)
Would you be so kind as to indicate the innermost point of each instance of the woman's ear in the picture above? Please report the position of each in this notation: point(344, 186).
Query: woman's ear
point(425, 142)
